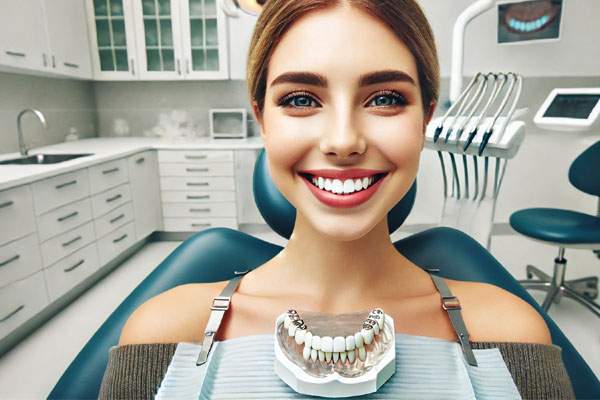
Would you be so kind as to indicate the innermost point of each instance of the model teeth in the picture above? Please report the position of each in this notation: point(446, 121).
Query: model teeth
point(346, 186)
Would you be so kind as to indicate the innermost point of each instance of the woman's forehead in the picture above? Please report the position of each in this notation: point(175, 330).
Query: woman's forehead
point(340, 42)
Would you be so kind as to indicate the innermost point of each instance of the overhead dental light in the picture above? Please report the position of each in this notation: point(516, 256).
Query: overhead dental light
point(252, 7)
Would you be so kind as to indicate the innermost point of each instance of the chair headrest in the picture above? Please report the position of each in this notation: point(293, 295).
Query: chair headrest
point(280, 215)
point(581, 172)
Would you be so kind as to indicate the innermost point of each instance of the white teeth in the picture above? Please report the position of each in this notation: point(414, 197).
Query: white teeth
point(308, 339)
point(362, 353)
point(336, 356)
point(337, 187)
point(358, 185)
point(339, 344)
point(321, 355)
point(313, 354)
point(348, 186)
point(328, 355)
point(292, 330)
point(350, 345)
point(358, 340)
point(300, 335)
point(316, 342)
point(368, 335)
point(351, 356)
point(327, 344)
point(343, 356)
point(306, 352)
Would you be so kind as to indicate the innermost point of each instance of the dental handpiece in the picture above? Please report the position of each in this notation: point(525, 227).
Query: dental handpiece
point(465, 104)
point(479, 95)
point(493, 95)
point(488, 132)
point(513, 106)
point(440, 127)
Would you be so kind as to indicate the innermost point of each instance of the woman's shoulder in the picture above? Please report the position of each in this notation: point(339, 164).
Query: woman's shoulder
point(493, 314)
point(177, 315)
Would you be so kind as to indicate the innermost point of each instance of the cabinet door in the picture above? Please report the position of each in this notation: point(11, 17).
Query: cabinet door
point(22, 35)
point(145, 193)
point(112, 39)
point(158, 39)
point(204, 34)
point(68, 37)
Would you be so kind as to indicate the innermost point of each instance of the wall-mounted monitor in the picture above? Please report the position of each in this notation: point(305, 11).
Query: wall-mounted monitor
point(529, 21)
point(572, 109)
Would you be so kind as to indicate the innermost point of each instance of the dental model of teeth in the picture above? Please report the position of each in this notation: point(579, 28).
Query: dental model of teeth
point(338, 186)
point(327, 348)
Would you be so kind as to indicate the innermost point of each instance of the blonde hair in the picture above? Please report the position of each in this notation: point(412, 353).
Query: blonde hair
point(404, 17)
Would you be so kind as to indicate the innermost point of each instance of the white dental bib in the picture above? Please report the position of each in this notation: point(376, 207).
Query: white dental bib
point(332, 377)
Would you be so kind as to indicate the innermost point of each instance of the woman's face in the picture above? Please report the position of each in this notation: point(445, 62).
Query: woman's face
point(342, 111)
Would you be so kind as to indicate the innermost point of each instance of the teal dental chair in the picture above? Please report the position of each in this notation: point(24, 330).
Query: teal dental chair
point(214, 255)
point(566, 229)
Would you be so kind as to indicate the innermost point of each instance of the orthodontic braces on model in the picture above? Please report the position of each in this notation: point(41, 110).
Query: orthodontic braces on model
point(328, 348)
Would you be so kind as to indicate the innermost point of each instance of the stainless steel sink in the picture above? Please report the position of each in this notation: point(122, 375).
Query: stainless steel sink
point(38, 159)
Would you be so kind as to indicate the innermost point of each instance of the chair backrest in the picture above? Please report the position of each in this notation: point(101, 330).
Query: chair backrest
point(585, 170)
point(215, 254)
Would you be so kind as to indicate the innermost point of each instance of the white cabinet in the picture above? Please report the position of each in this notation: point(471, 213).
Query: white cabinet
point(68, 42)
point(145, 192)
point(49, 36)
point(158, 39)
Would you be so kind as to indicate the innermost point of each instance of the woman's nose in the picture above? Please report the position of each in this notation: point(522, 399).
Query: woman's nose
point(343, 138)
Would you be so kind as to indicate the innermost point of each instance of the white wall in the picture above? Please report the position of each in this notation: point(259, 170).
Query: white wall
point(576, 54)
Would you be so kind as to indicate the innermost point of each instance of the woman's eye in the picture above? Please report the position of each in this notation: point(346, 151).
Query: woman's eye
point(388, 99)
point(297, 100)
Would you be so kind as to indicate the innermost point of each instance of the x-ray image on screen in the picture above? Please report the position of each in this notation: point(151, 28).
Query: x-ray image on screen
point(529, 20)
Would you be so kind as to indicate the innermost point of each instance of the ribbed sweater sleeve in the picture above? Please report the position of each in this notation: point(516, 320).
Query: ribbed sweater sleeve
point(136, 371)
point(537, 369)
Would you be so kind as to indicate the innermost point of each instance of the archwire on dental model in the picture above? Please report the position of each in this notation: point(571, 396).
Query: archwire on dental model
point(327, 348)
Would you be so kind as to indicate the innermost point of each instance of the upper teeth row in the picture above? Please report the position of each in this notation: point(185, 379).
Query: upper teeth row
point(342, 187)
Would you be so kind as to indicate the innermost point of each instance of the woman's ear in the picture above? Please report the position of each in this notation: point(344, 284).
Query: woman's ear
point(427, 120)
point(258, 118)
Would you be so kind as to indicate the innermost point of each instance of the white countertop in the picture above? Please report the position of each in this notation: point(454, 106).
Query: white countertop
point(106, 149)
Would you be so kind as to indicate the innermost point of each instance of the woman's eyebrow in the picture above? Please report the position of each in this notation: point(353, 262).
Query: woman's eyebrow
point(370, 78)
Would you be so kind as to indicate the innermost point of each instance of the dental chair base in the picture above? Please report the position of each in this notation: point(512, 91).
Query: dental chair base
point(582, 290)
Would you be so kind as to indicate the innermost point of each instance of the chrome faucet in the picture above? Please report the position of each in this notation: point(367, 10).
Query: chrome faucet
point(22, 147)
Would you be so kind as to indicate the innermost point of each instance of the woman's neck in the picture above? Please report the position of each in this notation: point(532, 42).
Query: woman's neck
point(333, 275)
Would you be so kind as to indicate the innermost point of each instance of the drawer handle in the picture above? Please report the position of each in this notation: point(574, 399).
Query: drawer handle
point(13, 258)
point(195, 157)
point(196, 169)
point(201, 225)
point(70, 242)
point(140, 160)
point(199, 209)
point(115, 219)
point(117, 240)
point(111, 199)
point(62, 185)
point(12, 313)
point(204, 196)
point(70, 65)
point(110, 171)
point(73, 214)
point(7, 203)
point(14, 53)
point(197, 183)
point(74, 266)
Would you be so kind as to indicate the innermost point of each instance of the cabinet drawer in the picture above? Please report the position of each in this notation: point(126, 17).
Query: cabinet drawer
point(19, 259)
point(116, 242)
point(20, 301)
point(208, 183)
point(199, 210)
point(60, 190)
point(195, 156)
point(64, 218)
point(114, 219)
point(61, 246)
point(198, 224)
point(111, 199)
point(16, 213)
point(199, 169)
point(68, 272)
point(181, 196)
point(107, 175)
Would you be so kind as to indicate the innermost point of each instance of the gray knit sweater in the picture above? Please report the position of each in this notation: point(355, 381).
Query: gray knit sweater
point(135, 371)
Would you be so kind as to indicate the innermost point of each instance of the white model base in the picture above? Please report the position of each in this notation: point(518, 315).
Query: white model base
point(335, 385)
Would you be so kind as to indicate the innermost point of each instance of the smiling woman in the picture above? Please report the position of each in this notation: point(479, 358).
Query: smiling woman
point(342, 92)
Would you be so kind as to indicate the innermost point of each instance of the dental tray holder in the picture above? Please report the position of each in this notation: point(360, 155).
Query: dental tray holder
point(334, 384)
point(504, 143)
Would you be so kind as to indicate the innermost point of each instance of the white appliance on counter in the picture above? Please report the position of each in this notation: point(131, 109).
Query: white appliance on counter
point(229, 123)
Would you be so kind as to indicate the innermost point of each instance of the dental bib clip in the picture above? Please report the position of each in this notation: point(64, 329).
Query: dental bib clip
point(335, 355)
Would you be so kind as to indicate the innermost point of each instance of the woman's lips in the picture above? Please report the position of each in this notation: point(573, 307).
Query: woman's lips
point(343, 200)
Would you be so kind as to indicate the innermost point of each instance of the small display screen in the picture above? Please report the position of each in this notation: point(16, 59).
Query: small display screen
point(577, 106)
point(525, 21)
